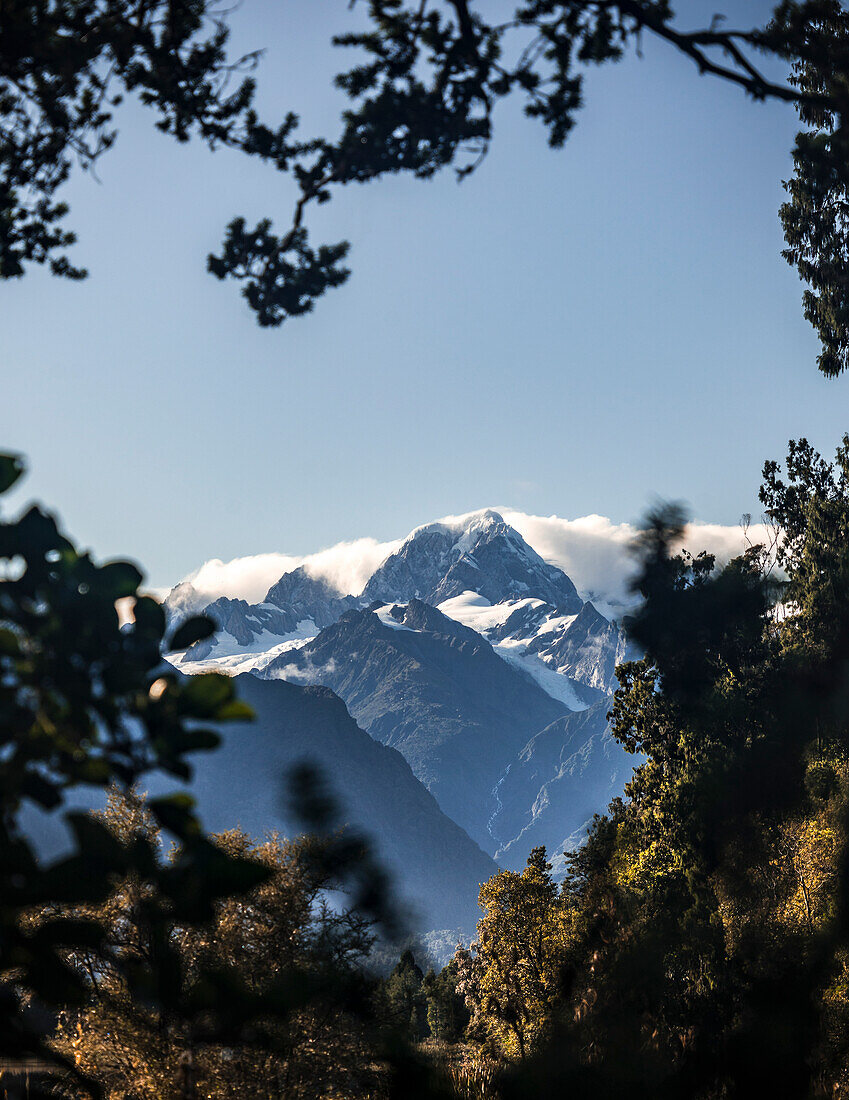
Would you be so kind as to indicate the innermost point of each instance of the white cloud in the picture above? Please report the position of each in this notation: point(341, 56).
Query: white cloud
point(308, 673)
point(346, 566)
point(595, 552)
point(241, 578)
point(592, 550)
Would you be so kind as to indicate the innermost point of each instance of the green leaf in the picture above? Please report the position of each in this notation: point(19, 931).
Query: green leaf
point(196, 740)
point(205, 873)
point(196, 629)
point(175, 812)
point(235, 711)
point(100, 845)
point(41, 790)
point(205, 695)
point(53, 980)
point(35, 534)
point(75, 880)
point(69, 932)
point(149, 616)
point(11, 468)
point(227, 874)
point(97, 772)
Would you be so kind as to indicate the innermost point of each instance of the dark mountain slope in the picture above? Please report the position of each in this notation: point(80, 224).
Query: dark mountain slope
point(437, 691)
point(566, 773)
point(436, 864)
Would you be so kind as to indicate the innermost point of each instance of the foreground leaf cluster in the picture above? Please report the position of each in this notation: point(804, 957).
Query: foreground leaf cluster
point(284, 930)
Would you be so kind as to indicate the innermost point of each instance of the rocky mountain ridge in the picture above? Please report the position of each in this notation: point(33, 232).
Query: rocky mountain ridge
point(436, 691)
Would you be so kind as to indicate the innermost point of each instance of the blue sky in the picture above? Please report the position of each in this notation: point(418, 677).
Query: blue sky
point(567, 332)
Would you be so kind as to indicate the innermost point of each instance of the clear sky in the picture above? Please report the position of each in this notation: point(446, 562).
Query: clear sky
point(566, 332)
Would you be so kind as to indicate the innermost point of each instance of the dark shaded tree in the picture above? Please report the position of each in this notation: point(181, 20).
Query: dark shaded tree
point(447, 1015)
point(708, 950)
point(405, 997)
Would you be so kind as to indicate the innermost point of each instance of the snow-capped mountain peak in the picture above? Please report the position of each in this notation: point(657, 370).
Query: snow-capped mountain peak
point(480, 554)
point(477, 569)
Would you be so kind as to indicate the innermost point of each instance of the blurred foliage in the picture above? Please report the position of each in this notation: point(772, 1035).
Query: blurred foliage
point(282, 941)
point(85, 703)
point(224, 956)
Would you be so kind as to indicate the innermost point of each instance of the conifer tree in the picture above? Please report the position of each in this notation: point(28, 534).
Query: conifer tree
point(405, 996)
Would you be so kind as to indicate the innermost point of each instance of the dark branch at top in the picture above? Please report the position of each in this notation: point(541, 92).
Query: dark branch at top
point(422, 98)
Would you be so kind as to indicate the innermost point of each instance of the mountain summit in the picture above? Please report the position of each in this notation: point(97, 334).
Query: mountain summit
point(485, 555)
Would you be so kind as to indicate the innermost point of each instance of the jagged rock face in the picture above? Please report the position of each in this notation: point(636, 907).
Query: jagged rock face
point(437, 692)
point(296, 599)
point(244, 620)
point(587, 649)
point(585, 646)
point(437, 563)
point(523, 623)
point(566, 773)
point(182, 601)
point(418, 615)
point(306, 597)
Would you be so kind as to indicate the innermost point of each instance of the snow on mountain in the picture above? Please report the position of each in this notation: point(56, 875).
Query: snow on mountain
point(438, 562)
point(435, 690)
point(230, 657)
point(477, 613)
point(584, 646)
point(466, 646)
point(476, 568)
point(592, 550)
point(304, 596)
